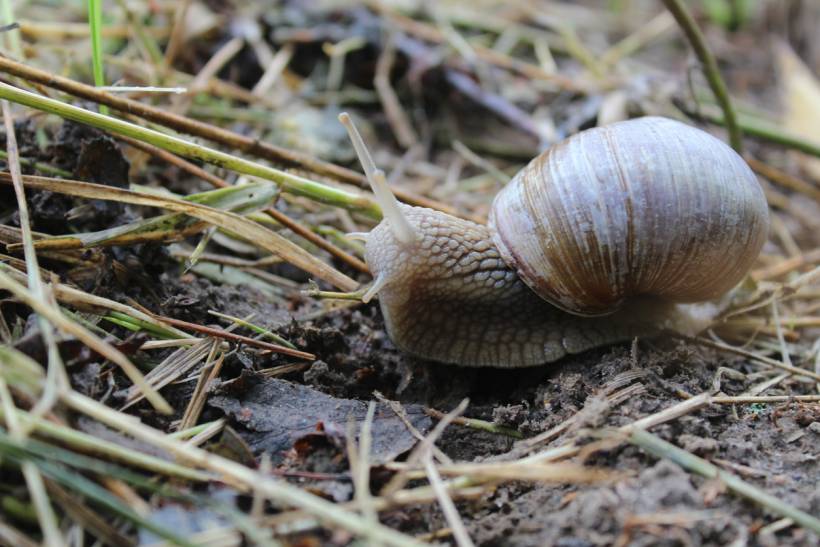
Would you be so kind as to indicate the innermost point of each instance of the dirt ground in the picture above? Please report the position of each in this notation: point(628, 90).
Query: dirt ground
point(295, 420)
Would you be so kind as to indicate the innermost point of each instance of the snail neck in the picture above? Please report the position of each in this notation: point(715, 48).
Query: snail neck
point(448, 296)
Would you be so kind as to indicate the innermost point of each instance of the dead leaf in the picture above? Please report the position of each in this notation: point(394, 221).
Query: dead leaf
point(273, 414)
point(801, 95)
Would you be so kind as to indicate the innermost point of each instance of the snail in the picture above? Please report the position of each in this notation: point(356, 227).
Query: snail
point(619, 231)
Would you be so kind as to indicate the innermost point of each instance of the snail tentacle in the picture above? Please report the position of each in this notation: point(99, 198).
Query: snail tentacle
point(384, 196)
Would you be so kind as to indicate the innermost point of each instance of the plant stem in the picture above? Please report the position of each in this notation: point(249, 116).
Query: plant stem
point(292, 183)
point(710, 69)
point(475, 423)
point(42, 167)
point(763, 131)
point(95, 23)
point(80, 441)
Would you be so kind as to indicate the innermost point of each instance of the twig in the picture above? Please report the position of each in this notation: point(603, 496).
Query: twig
point(255, 328)
point(613, 398)
point(482, 163)
point(495, 103)
point(275, 68)
point(181, 103)
point(90, 519)
point(219, 333)
point(460, 488)
point(12, 536)
point(563, 472)
point(645, 33)
point(809, 258)
point(672, 413)
point(751, 355)
point(355, 296)
point(430, 33)
point(710, 69)
point(399, 410)
point(320, 242)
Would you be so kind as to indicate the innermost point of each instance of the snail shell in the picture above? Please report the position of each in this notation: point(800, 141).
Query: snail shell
point(648, 206)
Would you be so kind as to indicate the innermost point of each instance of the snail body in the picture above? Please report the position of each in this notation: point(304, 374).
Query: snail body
point(611, 234)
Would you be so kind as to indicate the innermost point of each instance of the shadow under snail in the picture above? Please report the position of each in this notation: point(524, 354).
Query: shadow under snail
point(613, 233)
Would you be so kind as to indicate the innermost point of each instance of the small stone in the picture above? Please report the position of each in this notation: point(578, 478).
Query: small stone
point(697, 445)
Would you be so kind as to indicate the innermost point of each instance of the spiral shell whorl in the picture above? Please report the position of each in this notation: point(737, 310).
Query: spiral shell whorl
point(644, 207)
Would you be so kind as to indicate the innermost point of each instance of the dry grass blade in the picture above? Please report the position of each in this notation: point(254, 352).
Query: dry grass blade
point(756, 357)
point(277, 215)
point(84, 301)
point(237, 474)
point(668, 414)
point(34, 480)
point(359, 458)
point(743, 399)
point(428, 443)
point(194, 409)
point(710, 69)
point(445, 502)
point(242, 227)
point(564, 473)
point(173, 367)
point(168, 227)
point(57, 376)
point(87, 517)
point(66, 325)
point(11, 536)
point(187, 125)
point(84, 442)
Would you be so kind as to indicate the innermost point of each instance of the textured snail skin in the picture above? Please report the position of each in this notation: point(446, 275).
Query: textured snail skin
point(648, 206)
point(449, 297)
